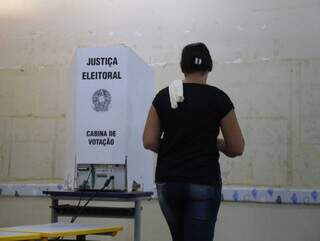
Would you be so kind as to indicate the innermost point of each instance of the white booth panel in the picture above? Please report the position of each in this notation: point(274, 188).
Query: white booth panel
point(113, 90)
point(101, 105)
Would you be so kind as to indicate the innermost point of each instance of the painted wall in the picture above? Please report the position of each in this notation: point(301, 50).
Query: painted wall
point(267, 60)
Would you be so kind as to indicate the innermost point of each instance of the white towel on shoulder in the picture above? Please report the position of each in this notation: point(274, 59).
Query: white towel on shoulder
point(176, 93)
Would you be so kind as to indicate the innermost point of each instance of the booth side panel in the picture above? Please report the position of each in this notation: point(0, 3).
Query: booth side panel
point(140, 95)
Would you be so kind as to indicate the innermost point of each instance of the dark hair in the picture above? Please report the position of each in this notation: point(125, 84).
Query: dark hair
point(195, 57)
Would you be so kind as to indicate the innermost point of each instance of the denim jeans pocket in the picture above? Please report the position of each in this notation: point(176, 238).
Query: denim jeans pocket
point(199, 192)
point(204, 202)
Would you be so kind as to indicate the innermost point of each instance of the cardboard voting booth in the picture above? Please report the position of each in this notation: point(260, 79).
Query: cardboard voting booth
point(112, 90)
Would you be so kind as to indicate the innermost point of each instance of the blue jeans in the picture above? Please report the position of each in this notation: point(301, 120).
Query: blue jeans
point(190, 210)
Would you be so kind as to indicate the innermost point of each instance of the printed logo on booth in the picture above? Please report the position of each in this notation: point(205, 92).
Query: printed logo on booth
point(101, 100)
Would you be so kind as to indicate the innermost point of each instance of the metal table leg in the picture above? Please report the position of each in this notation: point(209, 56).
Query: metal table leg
point(81, 238)
point(137, 220)
point(54, 216)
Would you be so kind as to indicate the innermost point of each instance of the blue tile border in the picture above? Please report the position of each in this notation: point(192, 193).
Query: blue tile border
point(229, 193)
point(271, 195)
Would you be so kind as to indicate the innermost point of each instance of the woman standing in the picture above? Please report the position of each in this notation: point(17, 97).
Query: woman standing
point(186, 139)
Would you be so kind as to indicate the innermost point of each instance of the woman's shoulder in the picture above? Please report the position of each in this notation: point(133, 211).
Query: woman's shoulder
point(162, 92)
point(161, 95)
point(216, 90)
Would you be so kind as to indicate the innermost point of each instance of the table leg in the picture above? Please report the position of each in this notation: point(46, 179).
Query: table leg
point(54, 216)
point(137, 220)
point(81, 237)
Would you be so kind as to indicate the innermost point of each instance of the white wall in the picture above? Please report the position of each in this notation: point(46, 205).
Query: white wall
point(267, 58)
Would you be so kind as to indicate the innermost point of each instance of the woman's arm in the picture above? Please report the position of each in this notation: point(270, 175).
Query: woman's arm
point(152, 132)
point(233, 143)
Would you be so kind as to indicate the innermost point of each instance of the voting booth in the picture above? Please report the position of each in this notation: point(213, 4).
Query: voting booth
point(112, 90)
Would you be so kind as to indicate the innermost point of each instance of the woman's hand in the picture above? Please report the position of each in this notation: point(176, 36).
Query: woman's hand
point(233, 143)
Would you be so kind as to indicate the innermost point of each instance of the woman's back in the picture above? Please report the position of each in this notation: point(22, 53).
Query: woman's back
point(188, 149)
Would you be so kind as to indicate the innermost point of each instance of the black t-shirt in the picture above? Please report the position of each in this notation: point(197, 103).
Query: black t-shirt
point(188, 147)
